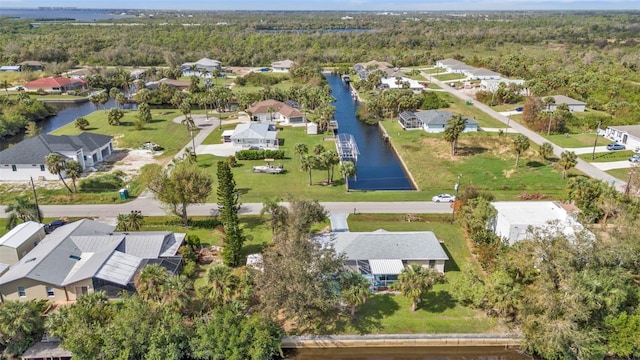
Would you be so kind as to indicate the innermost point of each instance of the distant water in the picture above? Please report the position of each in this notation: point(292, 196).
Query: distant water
point(77, 14)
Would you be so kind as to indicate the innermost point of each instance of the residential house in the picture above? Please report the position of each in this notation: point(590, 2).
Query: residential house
point(176, 84)
point(273, 110)
point(259, 135)
point(447, 64)
point(201, 66)
point(401, 82)
point(628, 135)
point(26, 159)
point(574, 105)
point(282, 66)
point(46, 349)
point(10, 68)
point(518, 220)
point(32, 65)
point(56, 85)
point(15, 244)
point(86, 256)
point(492, 85)
point(382, 255)
point(80, 73)
point(432, 121)
point(482, 74)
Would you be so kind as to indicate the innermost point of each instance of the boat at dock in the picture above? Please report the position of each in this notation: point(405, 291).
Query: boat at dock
point(345, 78)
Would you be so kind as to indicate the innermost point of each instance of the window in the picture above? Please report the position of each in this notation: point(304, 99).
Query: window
point(41, 167)
point(50, 292)
point(432, 264)
point(21, 291)
point(14, 168)
point(81, 290)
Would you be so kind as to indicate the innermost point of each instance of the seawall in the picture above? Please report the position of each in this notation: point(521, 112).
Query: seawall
point(399, 340)
point(404, 165)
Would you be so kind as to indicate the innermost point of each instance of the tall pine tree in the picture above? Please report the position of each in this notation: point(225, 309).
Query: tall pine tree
point(228, 208)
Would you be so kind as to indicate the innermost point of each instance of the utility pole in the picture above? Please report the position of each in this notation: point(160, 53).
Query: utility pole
point(456, 187)
point(35, 198)
point(595, 142)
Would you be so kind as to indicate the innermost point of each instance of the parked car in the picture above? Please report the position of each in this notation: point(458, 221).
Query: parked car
point(519, 108)
point(634, 158)
point(615, 146)
point(443, 198)
point(48, 228)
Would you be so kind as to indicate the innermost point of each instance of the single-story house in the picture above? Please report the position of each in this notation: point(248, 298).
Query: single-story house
point(483, 74)
point(26, 159)
point(10, 68)
point(32, 65)
point(176, 84)
point(372, 65)
point(431, 121)
point(86, 256)
point(492, 85)
point(517, 220)
point(46, 349)
point(200, 66)
point(260, 135)
point(574, 105)
point(395, 83)
point(80, 73)
point(447, 64)
point(382, 255)
point(273, 110)
point(629, 135)
point(15, 244)
point(56, 85)
point(282, 66)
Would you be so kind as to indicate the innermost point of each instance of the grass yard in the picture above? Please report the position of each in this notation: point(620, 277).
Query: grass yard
point(161, 130)
point(431, 71)
point(576, 140)
point(608, 156)
point(460, 107)
point(505, 107)
point(622, 174)
point(484, 160)
point(449, 77)
point(439, 312)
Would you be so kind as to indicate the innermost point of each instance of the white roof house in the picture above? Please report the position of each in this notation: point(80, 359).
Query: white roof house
point(200, 66)
point(282, 66)
point(254, 134)
point(392, 83)
point(517, 220)
point(629, 135)
point(87, 255)
point(15, 244)
point(483, 74)
point(382, 255)
point(492, 85)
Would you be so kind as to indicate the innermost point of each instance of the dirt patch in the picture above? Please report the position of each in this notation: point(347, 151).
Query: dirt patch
point(128, 161)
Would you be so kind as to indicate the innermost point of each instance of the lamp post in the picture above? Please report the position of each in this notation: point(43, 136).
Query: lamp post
point(595, 142)
point(456, 187)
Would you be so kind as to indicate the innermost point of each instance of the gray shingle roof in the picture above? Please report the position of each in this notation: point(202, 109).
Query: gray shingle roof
point(380, 244)
point(36, 149)
point(437, 117)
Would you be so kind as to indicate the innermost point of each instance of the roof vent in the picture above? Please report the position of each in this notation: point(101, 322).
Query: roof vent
point(30, 260)
point(74, 257)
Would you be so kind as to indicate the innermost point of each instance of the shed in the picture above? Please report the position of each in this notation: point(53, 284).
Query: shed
point(15, 244)
point(312, 128)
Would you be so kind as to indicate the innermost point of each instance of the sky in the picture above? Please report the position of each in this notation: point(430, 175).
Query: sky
point(339, 5)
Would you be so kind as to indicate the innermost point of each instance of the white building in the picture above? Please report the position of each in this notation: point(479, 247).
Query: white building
point(517, 220)
point(395, 83)
point(628, 135)
point(492, 85)
point(282, 66)
point(574, 105)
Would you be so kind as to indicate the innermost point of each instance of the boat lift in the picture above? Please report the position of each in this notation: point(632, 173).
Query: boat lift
point(347, 147)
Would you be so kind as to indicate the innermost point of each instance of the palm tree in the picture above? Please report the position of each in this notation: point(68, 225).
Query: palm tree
point(5, 85)
point(220, 286)
point(114, 116)
point(414, 281)
point(21, 322)
point(568, 159)
point(56, 165)
point(278, 213)
point(178, 292)
point(81, 123)
point(301, 149)
point(348, 169)
point(455, 127)
point(520, 144)
point(546, 150)
point(73, 169)
point(318, 149)
point(354, 289)
point(151, 281)
point(22, 209)
point(547, 102)
point(132, 221)
point(307, 163)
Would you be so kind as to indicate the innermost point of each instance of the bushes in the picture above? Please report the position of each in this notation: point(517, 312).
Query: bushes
point(259, 154)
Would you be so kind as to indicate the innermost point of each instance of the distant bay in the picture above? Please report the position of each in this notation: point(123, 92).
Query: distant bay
point(52, 14)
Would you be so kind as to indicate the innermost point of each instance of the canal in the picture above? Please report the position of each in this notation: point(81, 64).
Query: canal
point(408, 353)
point(378, 167)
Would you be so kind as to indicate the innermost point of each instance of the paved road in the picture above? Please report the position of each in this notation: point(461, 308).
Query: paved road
point(151, 207)
point(582, 165)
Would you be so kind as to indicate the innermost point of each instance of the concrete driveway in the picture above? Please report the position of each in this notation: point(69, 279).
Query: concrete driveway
point(587, 150)
point(604, 166)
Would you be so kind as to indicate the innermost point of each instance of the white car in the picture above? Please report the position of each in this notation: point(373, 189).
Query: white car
point(443, 198)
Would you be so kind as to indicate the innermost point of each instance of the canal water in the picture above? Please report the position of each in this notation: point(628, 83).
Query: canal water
point(378, 167)
point(407, 353)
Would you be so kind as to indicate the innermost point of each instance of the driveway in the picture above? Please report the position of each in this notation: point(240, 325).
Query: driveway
point(339, 222)
point(604, 166)
point(587, 150)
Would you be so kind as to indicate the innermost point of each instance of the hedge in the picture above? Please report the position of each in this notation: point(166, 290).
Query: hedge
point(259, 154)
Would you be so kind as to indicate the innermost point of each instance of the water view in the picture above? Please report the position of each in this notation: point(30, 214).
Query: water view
point(378, 167)
point(76, 14)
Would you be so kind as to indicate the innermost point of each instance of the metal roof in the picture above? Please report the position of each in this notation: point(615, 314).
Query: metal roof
point(19, 234)
point(380, 244)
point(561, 99)
point(386, 266)
point(34, 150)
point(254, 131)
point(119, 268)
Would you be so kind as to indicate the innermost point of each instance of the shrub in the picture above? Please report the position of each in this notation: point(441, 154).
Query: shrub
point(259, 154)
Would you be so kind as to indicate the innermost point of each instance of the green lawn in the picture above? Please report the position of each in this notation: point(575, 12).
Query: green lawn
point(431, 71)
point(449, 77)
point(460, 107)
point(576, 140)
point(161, 130)
point(622, 174)
point(485, 160)
point(505, 107)
point(608, 156)
point(439, 312)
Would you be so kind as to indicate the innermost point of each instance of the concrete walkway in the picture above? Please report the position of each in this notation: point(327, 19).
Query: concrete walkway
point(587, 168)
point(339, 222)
point(604, 166)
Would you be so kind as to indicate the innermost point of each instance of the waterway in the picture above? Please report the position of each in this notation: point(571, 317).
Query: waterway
point(378, 167)
point(50, 14)
point(408, 353)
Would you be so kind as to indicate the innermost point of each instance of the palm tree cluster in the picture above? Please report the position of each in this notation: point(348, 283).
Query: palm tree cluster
point(60, 165)
point(132, 221)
